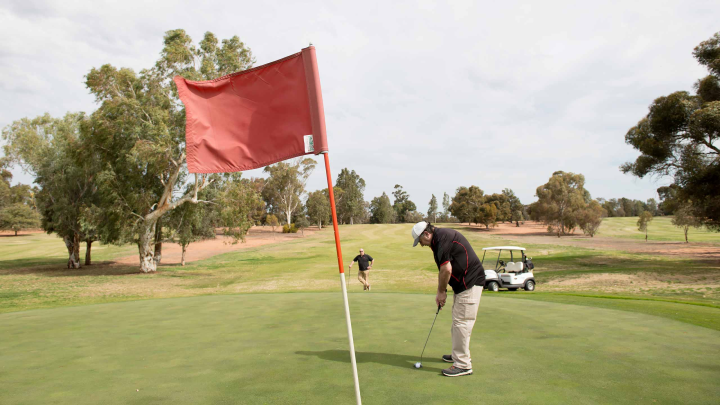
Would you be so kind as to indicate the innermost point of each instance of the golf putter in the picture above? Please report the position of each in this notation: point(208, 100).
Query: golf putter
point(419, 364)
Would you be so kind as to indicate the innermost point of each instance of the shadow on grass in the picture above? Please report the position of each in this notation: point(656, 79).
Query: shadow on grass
point(59, 269)
point(388, 359)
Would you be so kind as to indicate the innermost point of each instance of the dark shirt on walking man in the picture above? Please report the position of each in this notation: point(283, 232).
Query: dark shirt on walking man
point(363, 261)
point(449, 245)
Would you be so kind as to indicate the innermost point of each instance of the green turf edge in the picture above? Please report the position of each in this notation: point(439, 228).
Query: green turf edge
point(707, 316)
point(620, 297)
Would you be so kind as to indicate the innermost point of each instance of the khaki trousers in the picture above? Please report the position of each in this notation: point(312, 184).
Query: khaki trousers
point(363, 277)
point(464, 312)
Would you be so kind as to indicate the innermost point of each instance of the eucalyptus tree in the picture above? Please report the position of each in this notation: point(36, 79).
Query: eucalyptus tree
point(236, 202)
point(560, 201)
point(516, 206)
point(402, 203)
point(190, 223)
point(285, 186)
point(17, 217)
point(680, 138)
point(351, 205)
point(685, 219)
point(381, 211)
point(65, 169)
point(466, 204)
point(487, 214)
point(318, 207)
point(590, 218)
point(433, 208)
point(643, 221)
point(446, 206)
point(138, 132)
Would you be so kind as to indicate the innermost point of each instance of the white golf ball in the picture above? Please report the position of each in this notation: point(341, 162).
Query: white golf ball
point(418, 365)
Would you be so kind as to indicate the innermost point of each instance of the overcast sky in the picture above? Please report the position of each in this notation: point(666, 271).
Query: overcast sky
point(429, 95)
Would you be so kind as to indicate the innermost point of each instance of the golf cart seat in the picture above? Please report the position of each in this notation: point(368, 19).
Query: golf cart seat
point(514, 267)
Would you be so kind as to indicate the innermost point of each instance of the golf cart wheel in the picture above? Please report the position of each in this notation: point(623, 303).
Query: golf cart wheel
point(529, 286)
point(493, 286)
point(512, 289)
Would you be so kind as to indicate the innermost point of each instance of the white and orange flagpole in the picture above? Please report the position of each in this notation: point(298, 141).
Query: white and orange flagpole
point(342, 279)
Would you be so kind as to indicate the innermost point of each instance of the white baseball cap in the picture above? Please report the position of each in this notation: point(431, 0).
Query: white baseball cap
point(417, 231)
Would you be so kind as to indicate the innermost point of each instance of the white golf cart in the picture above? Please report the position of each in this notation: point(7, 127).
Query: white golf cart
point(512, 274)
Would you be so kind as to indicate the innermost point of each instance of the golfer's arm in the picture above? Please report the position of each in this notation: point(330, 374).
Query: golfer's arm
point(444, 276)
point(350, 266)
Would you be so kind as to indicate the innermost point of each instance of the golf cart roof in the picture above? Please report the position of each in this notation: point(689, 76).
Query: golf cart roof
point(504, 248)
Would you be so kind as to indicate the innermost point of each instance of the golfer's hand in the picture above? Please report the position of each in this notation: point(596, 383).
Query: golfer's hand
point(440, 298)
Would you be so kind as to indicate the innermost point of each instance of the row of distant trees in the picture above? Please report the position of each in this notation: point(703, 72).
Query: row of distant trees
point(119, 175)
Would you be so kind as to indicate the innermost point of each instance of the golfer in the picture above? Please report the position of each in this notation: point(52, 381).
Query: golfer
point(365, 262)
point(460, 267)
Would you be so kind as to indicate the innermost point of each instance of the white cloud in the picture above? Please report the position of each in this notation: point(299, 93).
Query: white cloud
point(429, 95)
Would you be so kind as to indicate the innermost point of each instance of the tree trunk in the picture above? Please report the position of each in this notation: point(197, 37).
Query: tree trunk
point(351, 220)
point(319, 224)
point(73, 247)
point(146, 248)
point(158, 243)
point(182, 259)
point(16, 232)
point(289, 217)
point(88, 244)
point(686, 231)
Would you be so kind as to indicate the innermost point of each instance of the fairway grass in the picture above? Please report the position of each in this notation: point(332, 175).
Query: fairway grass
point(660, 229)
point(309, 265)
point(292, 349)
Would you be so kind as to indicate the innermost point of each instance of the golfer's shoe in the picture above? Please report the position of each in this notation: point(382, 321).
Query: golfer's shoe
point(364, 287)
point(456, 372)
point(368, 287)
point(447, 358)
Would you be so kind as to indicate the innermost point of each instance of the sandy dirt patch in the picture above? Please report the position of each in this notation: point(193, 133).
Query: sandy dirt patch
point(257, 236)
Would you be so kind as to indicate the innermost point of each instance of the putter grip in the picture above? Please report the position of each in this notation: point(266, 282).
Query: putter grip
point(439, 308)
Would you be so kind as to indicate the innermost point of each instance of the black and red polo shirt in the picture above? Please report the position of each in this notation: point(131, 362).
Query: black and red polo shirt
point(448, 245)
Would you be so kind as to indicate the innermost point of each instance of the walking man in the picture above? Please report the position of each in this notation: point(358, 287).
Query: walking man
point(460, 267)
point(365, 262)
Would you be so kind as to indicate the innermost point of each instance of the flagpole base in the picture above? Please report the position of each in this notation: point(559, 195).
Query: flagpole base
point(350, 339)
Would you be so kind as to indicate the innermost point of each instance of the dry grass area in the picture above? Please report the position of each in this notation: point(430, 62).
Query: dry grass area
point(636, 283)
point(535, 233)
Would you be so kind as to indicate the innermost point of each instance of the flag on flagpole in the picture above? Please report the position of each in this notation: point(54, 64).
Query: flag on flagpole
point(256, 117)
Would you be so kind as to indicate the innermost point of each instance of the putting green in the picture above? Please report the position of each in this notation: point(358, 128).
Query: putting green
point(292, 349)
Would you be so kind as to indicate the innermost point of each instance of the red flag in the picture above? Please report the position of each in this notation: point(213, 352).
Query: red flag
point(254, 118)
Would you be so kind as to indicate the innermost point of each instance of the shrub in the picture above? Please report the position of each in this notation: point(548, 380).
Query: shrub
point(289, 228)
